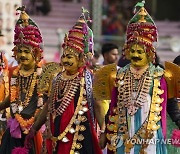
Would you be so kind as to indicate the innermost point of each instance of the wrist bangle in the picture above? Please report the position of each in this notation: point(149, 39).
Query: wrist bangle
point(102, 131)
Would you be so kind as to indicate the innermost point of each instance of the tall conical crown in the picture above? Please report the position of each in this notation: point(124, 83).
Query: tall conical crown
point(142, 30)
point(26, 31)
point(80, 37)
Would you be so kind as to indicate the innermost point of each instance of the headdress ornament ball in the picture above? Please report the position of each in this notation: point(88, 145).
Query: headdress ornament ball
point(80, 37)
point(141, 30)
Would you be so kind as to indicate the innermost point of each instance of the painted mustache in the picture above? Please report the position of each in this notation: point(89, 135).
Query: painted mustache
point(67, 64)
point(136, 58)
point(23, 58)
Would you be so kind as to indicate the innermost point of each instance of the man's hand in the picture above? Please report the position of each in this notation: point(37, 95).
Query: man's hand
point(29, 138)
point(102, 140)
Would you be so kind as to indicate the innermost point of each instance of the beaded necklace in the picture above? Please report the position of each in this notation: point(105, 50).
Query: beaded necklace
point(27, 88)
point(23, 85)
point(136, 91)
point(64, 91)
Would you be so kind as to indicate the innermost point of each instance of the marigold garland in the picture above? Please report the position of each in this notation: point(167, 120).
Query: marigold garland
point(25, 124)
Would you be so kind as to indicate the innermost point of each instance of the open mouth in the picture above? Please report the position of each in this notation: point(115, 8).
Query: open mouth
point(136, 59)
point(67, 64)
point(23, 59)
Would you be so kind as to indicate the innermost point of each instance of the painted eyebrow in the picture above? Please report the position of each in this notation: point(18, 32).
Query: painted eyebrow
point(69, 54)
point(24, 50)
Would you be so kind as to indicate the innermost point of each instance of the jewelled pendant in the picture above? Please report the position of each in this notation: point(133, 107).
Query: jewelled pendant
point(84, 102)
point(85, 109)
point(81, 112)
point(134, 95)
point(72, 130)
point(65, 139)
point(20, 107)
point(77, 122)
point(24, 91)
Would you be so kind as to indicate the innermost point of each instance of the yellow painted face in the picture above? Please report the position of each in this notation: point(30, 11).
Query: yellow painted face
point(138, 56)
point(25, 56)
point(70, 62)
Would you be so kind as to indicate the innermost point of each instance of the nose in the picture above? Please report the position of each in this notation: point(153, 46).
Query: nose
point(23, 54)
point(63, 59)
point(136, 54)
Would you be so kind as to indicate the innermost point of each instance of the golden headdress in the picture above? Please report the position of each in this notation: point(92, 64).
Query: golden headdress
point(80, 37)
point(141, 30)
point(27, 33)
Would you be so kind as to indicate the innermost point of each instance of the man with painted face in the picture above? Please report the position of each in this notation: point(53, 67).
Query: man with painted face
point(4, 90)
point(24, 100)
point(69, 112)
point(138, 107)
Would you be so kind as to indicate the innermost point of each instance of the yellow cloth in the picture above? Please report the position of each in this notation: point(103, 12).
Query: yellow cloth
point(105, 105)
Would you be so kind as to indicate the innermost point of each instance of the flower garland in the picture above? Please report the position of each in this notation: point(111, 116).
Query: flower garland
point(17, 105)
point(26, 123)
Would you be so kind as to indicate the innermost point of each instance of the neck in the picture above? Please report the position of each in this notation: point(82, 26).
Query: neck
point(71, 73)
point(28, 67)
point(27, 70)
point(105, 63)
point(138, 71)
point(139, 68)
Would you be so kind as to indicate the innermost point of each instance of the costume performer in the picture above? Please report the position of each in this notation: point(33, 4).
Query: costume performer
point(4, 88)
point(24, 99)
point(138, 105)
point(70, 121)
point(173, 117)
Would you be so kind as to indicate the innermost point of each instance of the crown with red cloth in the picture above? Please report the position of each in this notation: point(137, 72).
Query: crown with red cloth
point(27, 32)
point(141, 30)
point(80, 37)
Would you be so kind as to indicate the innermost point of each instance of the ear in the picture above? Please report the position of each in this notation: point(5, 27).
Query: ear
point(150, 56)
point(81, 60)
point(127, 54)
point(37, 54)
